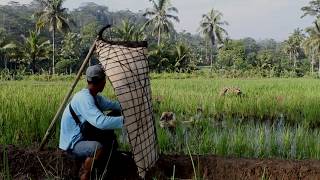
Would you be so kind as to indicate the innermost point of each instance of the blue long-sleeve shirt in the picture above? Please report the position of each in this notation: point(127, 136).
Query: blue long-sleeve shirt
point(84, 106)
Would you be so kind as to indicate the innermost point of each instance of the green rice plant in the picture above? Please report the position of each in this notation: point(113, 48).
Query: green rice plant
point(5, 171)
point(165, 141)
point(249, 140)
point(274, 118)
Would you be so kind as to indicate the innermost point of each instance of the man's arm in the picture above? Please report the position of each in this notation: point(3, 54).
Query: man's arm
point(106, 104)
point(95, 117)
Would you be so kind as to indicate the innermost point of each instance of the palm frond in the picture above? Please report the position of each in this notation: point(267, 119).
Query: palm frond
point(211, 26)
point(159, 17)
point(219, 36)
point(52, 15)
point(173, 9)
point(62, 25)
point(9, 46)
point(162, 4)
point(155, 5)
point(149, 12)
point(176, 18)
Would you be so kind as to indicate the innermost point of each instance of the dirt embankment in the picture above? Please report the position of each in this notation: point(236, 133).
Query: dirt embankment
point(28, 163)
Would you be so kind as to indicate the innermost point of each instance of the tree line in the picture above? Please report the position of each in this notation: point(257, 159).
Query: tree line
point(45, 37)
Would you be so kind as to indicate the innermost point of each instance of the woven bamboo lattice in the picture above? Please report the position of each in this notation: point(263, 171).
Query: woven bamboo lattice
point(126, 66)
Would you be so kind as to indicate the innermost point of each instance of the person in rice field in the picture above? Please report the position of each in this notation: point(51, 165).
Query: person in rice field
point(86, 131)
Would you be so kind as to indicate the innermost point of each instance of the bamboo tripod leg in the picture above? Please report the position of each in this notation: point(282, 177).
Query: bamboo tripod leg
point(66, 98)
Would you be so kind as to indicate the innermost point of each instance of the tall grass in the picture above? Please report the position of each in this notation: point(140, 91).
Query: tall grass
point(284, 108)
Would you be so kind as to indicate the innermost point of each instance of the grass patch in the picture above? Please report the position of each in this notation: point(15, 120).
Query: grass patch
point(275, 118)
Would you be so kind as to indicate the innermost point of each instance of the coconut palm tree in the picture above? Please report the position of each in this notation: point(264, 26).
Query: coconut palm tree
point(128, 31)
point(312, 44)
point(289, 49)
point(309, 49)
point(211, 26)
point(313, 9)
point(182, 58)
point(160, 17)
point(34, 50)
point(292, 46)
point(5, 46)
point(4, 51)
point(56, 17)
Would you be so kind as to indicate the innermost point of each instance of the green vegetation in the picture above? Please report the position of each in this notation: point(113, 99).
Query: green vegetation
point(274, 117)
point(170, 51)
point(5, 171)
point(34, 50)
point(160, 17)
point(243, 140)
point(55, 17)
point(128, 31)
point(211, 28)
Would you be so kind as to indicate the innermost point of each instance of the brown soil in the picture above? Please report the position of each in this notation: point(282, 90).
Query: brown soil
point(28, 163)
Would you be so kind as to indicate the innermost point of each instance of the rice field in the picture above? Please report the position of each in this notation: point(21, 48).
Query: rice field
point(274, 118)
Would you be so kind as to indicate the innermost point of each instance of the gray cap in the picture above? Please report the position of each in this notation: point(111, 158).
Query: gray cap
point(95, 73)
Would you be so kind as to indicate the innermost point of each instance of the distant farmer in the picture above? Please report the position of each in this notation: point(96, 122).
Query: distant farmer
point(86, 131)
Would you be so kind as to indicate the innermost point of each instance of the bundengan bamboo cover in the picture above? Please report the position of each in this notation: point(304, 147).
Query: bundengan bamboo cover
point(126, 66)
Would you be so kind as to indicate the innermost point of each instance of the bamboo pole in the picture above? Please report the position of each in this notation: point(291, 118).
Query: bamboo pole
point(66, 98)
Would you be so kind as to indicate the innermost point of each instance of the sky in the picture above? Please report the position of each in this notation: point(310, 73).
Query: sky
point(259, 19)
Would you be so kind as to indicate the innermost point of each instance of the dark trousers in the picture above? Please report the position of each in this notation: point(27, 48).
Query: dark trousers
point(106, 137)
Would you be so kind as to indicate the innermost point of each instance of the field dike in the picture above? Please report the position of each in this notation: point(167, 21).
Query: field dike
point(53, 164)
